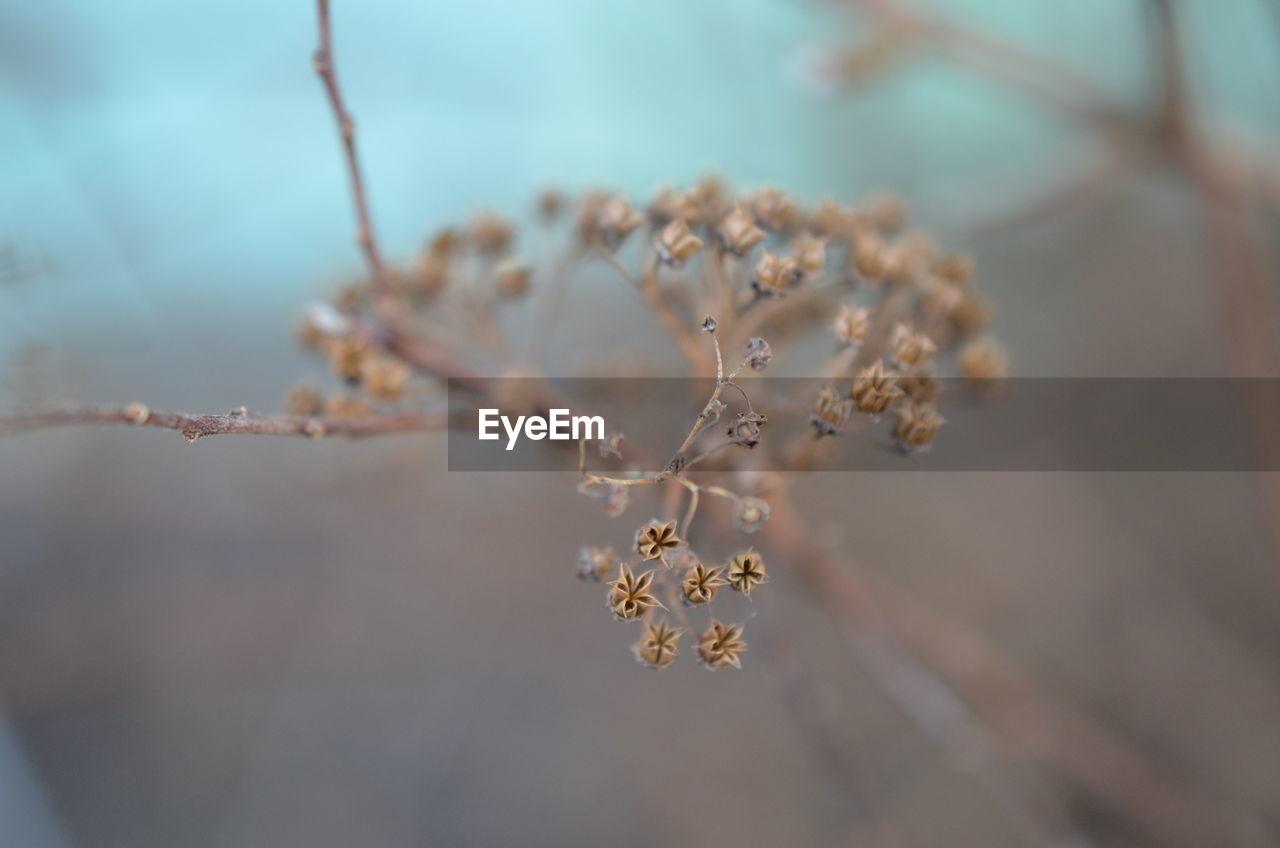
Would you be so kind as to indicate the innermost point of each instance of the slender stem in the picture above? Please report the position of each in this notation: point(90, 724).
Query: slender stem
point(238, 422)
point(366, 236)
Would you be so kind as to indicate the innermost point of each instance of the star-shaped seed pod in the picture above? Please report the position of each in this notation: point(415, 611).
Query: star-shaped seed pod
point(676, 244)
point(875, 388)
point(746, 571)
point(700, 584)
point(658, 646)
point(629, 595)
point(916, 426)
point(722, 645)
point(654, 540)
point(737, 233)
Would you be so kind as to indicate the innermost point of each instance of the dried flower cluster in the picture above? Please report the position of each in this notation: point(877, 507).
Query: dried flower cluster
point(735, 280)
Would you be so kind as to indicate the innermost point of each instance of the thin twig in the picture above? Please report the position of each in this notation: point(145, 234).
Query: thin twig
point(238, 422)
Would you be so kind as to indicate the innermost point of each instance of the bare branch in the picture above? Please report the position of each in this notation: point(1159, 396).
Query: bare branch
point(241, 422)
point(366, 236)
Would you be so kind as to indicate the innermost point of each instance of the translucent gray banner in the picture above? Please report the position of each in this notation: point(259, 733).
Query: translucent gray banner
point(1016, 424)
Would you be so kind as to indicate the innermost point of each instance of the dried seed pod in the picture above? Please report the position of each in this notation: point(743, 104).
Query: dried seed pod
point(737, 233)
point(955, 267)
point(629, 596)
point(810, 254)
point(616, 220)
point(759, 354)
point(655, 539)
point(430, 274)
point(347, 355)
point(971, 314)
point(746, 571)
point(773, 274)
point(830, 413)
point(668, 206)
point(832, 220)
point(984, 359)
point(774, 210)
point(550, 204)
point(304, 399)
point(384, 377)
point(722, 645)
point(746, 429)
point(851, 325)
point(658, 646)
point(871, 256)
point(700, 583)
point(512, 275)
point(875, 388)
point(345, 405)
point(676, 244)
point(491, 233)
point(920, 386)
point(445, 243)
point(750, 514)
point(917, 426)
point(594, 563)
point(910, 349)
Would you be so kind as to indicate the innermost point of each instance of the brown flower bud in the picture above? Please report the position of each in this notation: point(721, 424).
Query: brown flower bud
point(676, 244)
point(738, 234)
point(445, 243)
point(875, 388)
point(870, 256)
point(832, 220)
point(973, 313)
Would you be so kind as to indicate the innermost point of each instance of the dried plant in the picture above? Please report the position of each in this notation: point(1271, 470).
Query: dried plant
point(748, 274)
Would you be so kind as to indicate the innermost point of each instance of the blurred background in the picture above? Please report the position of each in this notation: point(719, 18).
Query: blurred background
point(272, 642)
